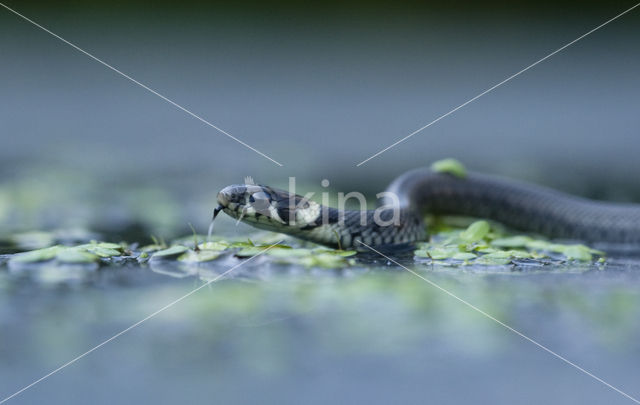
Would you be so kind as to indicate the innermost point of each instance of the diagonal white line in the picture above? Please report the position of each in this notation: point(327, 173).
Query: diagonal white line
point(496, 85)
point(117, 335)
point(140, 84)
point(433, 284)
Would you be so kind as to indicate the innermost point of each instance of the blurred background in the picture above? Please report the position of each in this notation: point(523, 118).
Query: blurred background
point(318, 87)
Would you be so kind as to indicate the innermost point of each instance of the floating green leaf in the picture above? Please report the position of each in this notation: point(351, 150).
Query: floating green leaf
point(451, 166)
point(34, 256)
point(152, 248)
point(343, 253)
point(75, 255)
point(518, 241)
point(486, 249)
point(519, 254)
point(249, 251)
point(192, 256)
point(475, 232)
point(441, 253)
point(169, 253)
point(102, 249)
point(285, 253)
point(324, 260)
point(218, 245)
point(501, 254)
point(577, 253)
point(489, 260)
point(464, 256)
point(580, 252)
point(103, 252)
point(106, 245)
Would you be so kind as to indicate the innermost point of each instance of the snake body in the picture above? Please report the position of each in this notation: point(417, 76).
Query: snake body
point(519, 205)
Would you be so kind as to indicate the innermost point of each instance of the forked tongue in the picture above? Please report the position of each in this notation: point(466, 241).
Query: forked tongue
point(216, 211)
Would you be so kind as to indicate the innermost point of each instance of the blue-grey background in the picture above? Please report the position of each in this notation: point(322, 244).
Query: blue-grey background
point(318, 88)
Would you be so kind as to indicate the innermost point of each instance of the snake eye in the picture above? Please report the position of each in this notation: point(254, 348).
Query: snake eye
point(261, 195)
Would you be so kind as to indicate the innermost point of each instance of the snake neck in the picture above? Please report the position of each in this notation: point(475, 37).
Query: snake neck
point(384, 228)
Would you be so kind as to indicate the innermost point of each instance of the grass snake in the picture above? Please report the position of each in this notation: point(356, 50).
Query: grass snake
point(398, 221)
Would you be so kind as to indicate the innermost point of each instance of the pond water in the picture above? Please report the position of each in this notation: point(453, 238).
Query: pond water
point(371, 333)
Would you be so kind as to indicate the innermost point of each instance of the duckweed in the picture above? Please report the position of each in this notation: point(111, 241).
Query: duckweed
point(170, 252)
point(483, 244)
point(477, 243)
point(85, 253)
point(198, 256)
point(475, 232)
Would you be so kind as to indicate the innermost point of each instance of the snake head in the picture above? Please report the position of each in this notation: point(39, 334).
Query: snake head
point(267, 207)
